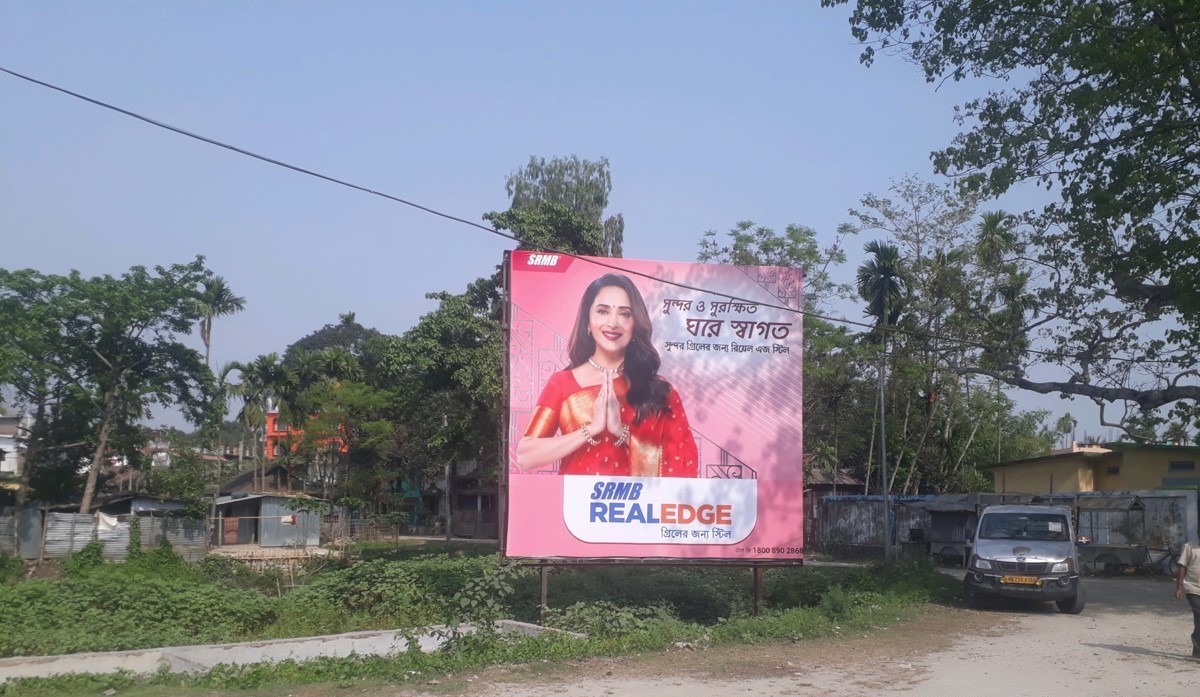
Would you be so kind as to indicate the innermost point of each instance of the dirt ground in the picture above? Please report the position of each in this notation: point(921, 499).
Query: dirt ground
point(1131, 640)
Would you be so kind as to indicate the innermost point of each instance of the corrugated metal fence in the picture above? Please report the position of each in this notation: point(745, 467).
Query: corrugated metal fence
point(65, 533)
point(1168, 517)
point(30, 529)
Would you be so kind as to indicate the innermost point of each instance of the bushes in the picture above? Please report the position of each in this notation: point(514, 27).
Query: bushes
point(157, 599)
point(11, 569)
point(117, 607)
point(380, 589)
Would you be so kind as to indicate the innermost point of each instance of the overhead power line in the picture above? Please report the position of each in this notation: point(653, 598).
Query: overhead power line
point(593, 260)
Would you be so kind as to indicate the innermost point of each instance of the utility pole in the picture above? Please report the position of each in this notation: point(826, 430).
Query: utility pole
point(449, 490)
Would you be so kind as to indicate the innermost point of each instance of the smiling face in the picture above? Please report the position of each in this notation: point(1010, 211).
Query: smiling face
point(610, 322)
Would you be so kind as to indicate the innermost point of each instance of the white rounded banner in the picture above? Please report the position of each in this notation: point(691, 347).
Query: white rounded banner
point(660, 509)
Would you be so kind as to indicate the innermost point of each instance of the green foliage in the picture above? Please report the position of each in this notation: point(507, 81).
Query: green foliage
point(381, 589)
point(112, 345)
point(134, 548)
point(156, 600)
point(236, 574)
point(78, 614)
point(11, 569)
point(347, 334)
point(604, 619)
point(576, 186)
point(484, 597)
point(87, 559)
point(1097, 104)
point(186, 480)
point(302, 504)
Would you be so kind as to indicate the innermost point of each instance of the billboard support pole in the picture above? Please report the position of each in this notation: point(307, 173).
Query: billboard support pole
point(758, 589)
point(543, 599)
point(505, 414)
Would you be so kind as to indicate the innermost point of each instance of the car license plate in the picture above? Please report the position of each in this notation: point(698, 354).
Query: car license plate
point(1020, 580)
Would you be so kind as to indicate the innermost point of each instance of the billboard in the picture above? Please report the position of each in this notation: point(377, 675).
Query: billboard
point(654, 410)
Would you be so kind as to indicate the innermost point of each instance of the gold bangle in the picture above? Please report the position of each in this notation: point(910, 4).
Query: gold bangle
point(624, 436)
point(586, 437)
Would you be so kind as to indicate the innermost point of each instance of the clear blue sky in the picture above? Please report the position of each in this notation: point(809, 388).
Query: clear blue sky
point(709, 113)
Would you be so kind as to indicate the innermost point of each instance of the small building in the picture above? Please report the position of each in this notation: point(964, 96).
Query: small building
point(818, 483)
point(1111, 467)
point(267, 508)
point(13, 429)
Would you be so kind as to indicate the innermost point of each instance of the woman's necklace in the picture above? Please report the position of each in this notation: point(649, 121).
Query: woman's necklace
point(602, 369)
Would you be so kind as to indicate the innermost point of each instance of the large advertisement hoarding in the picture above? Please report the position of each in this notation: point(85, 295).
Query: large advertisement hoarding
point(605, 462)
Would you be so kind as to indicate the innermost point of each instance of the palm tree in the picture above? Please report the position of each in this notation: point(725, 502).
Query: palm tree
point(881, 282)
point(995, 239)
point(262, 381)
point(215, 300)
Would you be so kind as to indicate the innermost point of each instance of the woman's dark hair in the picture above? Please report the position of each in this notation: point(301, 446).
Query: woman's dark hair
point(648, 392)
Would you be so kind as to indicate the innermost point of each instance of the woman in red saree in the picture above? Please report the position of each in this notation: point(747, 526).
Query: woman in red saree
point(610, 413)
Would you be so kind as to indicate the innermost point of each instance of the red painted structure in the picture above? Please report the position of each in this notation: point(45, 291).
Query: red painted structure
point(278, 434)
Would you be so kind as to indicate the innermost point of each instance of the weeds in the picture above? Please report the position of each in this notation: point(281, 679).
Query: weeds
point(157, 599)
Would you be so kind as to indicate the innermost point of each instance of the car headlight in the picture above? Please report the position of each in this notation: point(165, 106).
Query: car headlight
point(1061, 567)
point(983, 564)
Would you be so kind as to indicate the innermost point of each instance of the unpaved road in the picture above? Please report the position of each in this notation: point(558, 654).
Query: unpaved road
point(1131, 640)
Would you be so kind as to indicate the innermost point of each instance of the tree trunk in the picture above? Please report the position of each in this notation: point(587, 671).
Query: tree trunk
point(98, 457)
point(871, 451)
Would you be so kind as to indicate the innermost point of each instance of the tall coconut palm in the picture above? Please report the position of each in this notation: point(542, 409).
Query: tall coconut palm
point(215, 300)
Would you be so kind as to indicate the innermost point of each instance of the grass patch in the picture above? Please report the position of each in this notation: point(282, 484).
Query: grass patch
point(624, 609)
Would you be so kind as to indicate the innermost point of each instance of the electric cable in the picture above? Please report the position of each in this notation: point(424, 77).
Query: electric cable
point(958, 343)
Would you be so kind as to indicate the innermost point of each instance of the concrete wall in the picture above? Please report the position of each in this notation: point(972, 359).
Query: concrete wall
point(1053, 476)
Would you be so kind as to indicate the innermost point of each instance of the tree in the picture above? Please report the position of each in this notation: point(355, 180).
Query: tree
point(347, 334)
point(261, 380)
point(1098, 102)
point(797, 247)
point(581, 186)
point(550, 225)
point(833, 362)
point(116, 343)
point(882, 283)
point(215, 300)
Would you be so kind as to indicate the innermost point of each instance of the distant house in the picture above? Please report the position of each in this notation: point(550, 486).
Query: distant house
point(1108, 467)
point(13, 429)
point(279, 435)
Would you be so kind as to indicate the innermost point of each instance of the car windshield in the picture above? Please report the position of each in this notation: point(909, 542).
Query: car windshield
point(1024, 526)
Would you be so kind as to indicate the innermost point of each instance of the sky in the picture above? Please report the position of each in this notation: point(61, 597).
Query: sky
point(708, 113)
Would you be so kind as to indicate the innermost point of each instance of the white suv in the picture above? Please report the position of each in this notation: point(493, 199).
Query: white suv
point(1025, 552)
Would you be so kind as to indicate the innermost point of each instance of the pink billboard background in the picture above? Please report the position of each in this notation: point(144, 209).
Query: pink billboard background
point(737, 365)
